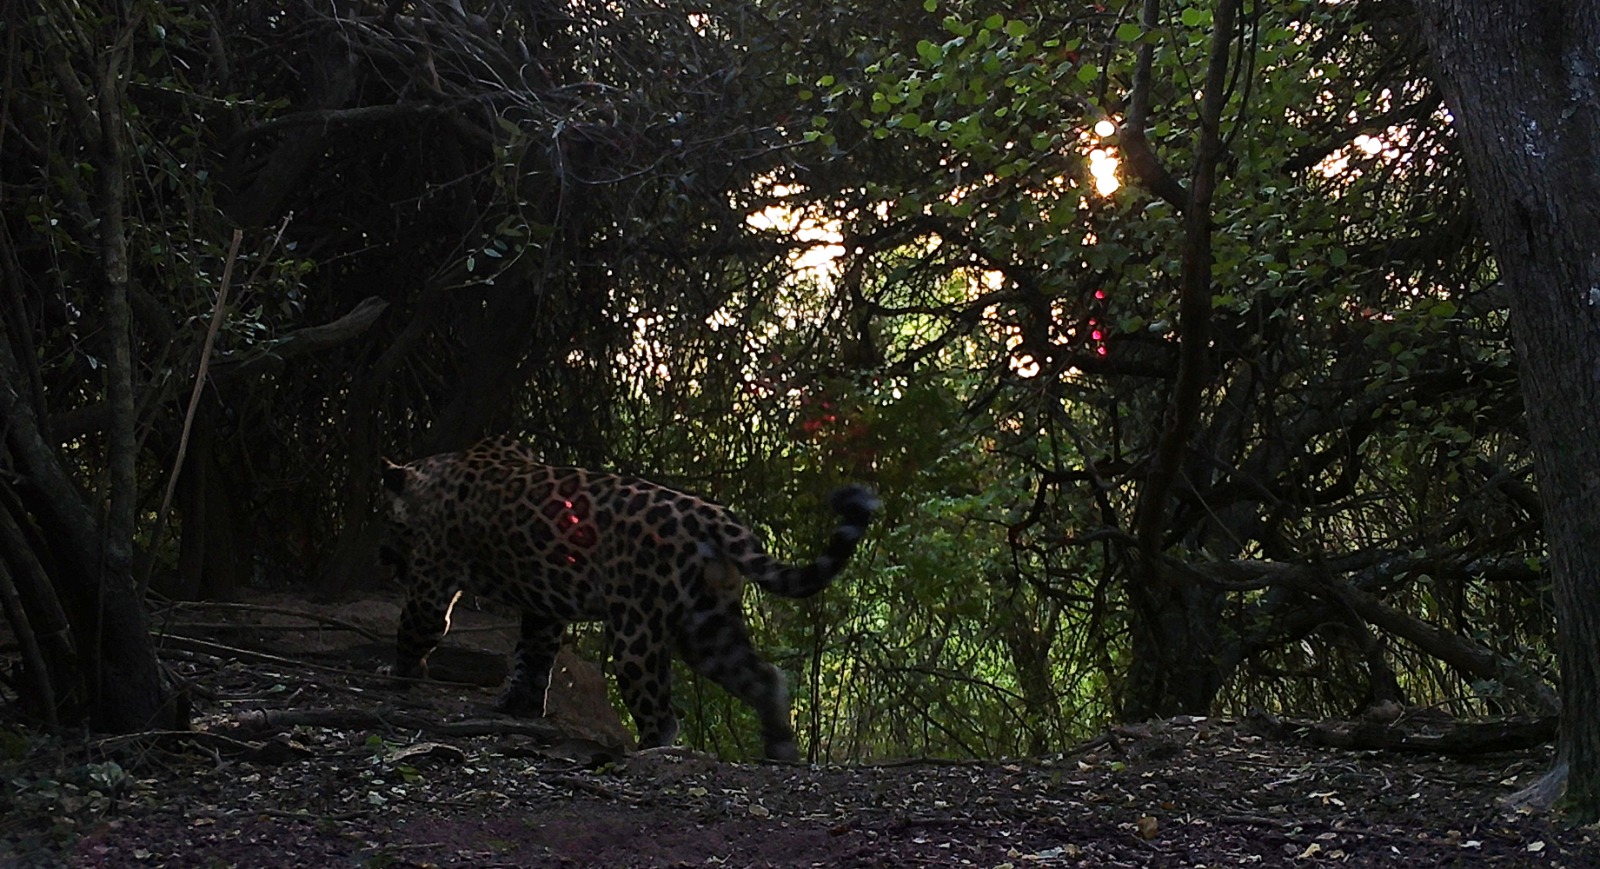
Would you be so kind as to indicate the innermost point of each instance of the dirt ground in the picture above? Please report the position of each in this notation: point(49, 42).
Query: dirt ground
point(310, 761)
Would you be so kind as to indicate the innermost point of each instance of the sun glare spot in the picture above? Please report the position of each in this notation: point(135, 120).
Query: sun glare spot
point(1025, 366)
point(1103, 168)
point(820, 237)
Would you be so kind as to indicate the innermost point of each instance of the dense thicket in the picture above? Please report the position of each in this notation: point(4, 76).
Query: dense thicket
point(1290, 511)
point(1244, 431)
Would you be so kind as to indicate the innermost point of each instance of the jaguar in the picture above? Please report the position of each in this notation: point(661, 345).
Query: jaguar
point(662, 570)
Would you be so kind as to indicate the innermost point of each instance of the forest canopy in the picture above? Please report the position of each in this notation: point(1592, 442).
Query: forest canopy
point(1166, 333)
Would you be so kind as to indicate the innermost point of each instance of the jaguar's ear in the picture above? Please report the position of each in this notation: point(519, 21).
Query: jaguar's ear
point(394, 477)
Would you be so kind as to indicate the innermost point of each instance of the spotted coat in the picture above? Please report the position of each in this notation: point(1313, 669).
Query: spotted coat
point(662, 570)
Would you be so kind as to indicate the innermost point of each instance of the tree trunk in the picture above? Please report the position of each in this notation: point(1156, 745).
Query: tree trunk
point(208, 550)
point(50, 658)
point(1176, 647)
point(89, 548)
point(118, 667)
point(1174, 631)
point(1029, 645)
point(1523, 84)
point(128, 693)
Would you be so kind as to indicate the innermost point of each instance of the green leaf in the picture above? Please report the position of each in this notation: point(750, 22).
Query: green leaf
point(1129, 31)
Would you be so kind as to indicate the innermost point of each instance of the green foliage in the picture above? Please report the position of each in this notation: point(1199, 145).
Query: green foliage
point(37, 783)
point(1352, 400)
point(615, 250)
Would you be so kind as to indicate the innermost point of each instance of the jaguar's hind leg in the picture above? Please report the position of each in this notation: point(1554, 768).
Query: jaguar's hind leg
point(717, 645)
point(423, 622)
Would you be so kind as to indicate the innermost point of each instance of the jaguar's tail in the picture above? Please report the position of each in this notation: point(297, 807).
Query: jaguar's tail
point(855, 506)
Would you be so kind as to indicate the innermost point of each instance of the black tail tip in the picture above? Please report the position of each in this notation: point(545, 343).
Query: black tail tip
point(855, 503)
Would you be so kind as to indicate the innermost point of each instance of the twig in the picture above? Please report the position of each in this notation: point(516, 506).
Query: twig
point(185, 628)
point(152, 737)
point(303, 815)
point(217, 313)
point(284, 611)
point(173, 641)
point(591, 788)
point(936, 762)
point(256, 721)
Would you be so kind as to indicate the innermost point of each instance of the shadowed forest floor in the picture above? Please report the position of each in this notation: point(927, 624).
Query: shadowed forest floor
point(373, 782)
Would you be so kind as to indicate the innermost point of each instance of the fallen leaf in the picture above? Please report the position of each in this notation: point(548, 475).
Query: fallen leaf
point(1148, 827)
point(419, 750)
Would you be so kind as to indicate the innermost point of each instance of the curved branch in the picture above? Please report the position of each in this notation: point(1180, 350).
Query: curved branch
point(1137, 155)
point(1465, 656)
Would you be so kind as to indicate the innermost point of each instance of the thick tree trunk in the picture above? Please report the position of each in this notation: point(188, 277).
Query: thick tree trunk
point(1176, 646)
point(1522, 81)
point(118, 667)
point(208, 550)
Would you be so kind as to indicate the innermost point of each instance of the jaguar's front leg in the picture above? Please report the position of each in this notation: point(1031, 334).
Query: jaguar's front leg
point(528, 691)
point(642, 664)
